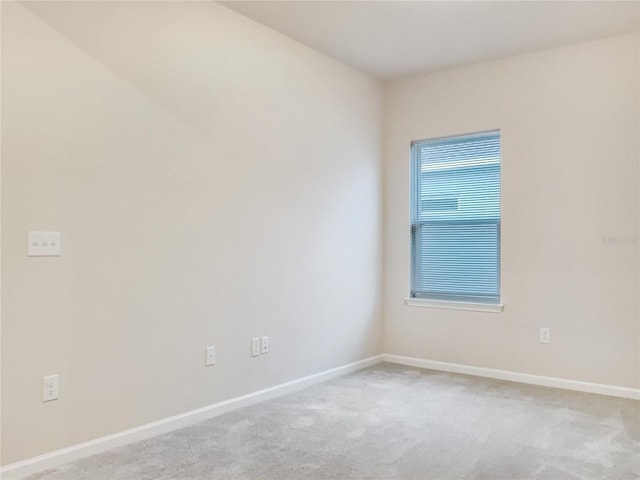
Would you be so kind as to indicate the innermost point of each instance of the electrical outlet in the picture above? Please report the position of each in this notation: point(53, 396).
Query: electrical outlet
point(545, 335)
point(255, 347)
point(264, 345)
point(211, 356)
point(50, 388)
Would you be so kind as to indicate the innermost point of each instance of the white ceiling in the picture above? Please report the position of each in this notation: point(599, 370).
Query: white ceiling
point(389, 39)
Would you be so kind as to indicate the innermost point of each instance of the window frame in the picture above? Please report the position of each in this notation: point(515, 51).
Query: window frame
point(451, 300)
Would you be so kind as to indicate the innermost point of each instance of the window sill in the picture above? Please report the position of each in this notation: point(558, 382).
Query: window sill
point(475, 307)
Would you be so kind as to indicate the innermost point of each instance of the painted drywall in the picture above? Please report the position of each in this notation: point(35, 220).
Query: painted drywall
point(570, 125)
point(213, 181)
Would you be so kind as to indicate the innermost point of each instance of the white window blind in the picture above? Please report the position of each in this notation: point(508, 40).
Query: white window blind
point(455, 218)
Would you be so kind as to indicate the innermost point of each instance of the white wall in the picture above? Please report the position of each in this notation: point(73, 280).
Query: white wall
point(570, 124)
point(212, 180)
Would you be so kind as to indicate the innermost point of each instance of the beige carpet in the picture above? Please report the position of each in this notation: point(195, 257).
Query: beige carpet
point(393, 422)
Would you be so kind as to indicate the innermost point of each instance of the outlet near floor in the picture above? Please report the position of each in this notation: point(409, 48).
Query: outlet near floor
point(50, 388)
point(211, 356)
point(545, 335)
point(255, 346)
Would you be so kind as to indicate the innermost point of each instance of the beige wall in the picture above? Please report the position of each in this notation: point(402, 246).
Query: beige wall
point(212, 180)
point(570, 124)
point(160, 137)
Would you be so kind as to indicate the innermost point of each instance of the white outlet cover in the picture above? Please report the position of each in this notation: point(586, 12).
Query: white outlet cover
point(255, 347)
point(264, 345)
point(545, 335)
point(43, 244)
point(211, 356)
point(50, 388)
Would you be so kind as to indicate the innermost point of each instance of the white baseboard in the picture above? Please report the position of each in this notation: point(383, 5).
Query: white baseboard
point(565, 384)
point(60, 457)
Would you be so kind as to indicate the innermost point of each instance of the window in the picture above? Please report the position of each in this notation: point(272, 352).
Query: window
point(455, 219)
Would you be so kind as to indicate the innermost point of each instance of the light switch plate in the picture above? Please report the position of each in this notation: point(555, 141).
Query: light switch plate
point(43, 244)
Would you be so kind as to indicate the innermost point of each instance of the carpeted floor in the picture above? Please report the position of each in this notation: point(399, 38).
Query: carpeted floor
point(393, 422)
